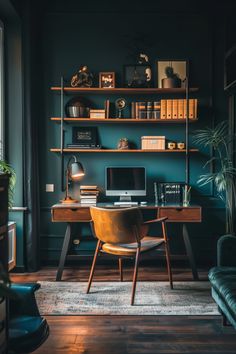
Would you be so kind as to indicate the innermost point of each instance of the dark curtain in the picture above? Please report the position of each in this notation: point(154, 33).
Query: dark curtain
point(30, 143)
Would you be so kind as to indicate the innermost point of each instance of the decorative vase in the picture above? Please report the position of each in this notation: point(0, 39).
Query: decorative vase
point(169, 82)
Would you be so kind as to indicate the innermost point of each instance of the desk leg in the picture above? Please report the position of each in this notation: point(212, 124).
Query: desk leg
point(64, 252)
point(190, 252)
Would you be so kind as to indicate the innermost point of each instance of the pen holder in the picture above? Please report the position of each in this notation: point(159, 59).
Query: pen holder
point(186, 196)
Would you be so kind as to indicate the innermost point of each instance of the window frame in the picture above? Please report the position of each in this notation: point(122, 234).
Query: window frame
point(2, 96)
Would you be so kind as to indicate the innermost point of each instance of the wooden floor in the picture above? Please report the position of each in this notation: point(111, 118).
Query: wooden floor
point(132, 334)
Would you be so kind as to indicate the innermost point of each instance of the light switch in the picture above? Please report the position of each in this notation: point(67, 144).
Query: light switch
point(49, 187)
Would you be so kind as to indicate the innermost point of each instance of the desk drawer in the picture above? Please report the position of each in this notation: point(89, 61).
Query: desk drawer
point(71, 215)
point(180, 214)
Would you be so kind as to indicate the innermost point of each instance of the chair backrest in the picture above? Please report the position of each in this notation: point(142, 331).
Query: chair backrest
point(117, 225)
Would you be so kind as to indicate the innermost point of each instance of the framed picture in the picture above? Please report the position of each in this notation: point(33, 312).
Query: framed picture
point(171, 73)
point(84, 136)
point(107, 80)
point(139, 75)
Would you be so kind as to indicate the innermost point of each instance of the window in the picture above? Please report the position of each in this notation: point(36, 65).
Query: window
point(1, 89)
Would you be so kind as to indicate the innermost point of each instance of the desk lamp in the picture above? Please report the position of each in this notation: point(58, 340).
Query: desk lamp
point(74, 172)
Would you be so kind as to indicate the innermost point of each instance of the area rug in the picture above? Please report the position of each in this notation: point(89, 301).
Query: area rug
point(113, 298)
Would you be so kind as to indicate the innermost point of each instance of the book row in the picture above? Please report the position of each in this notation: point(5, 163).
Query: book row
point(177, 109)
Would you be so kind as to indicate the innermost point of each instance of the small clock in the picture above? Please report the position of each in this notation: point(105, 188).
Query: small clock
point(120, 104)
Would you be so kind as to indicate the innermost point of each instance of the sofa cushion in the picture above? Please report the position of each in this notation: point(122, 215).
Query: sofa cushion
point(223, 280)
point(26, 333)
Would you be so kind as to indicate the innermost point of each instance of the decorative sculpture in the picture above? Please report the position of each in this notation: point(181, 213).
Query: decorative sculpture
point(83, 78)
point(123, 144)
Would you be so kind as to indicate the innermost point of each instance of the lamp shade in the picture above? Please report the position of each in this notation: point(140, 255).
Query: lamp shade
point(76, 170)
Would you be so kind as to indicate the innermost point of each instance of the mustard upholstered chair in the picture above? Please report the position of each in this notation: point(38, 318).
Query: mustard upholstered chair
point(123, 233)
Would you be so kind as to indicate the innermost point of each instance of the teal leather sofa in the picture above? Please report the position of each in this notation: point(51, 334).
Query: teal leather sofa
point(223, 279)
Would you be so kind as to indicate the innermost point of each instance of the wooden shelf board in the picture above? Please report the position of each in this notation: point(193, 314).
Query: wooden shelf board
point(121, 151)
point(120, 121)
point(123, 90)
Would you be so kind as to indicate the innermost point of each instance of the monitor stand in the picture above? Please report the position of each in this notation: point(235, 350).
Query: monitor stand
point(125, 201)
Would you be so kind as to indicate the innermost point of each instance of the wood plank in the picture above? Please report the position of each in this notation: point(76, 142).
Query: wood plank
point(124, 90)
point(122, 151)
point(122, 121)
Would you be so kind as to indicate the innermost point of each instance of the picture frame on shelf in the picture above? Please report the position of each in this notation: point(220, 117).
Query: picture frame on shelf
point(138, 75)
point(172, 73)
point(84, 136)
point(107, 79)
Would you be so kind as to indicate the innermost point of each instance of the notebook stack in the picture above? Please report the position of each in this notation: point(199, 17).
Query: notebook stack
point(88, 195)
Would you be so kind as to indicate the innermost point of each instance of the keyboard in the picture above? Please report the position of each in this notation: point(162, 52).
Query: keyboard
point(125, 203)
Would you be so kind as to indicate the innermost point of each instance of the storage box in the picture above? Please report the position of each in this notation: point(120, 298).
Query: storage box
point(153, 142)
point(97, 113)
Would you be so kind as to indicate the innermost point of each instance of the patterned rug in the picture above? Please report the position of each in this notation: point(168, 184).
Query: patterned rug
point(113, 298)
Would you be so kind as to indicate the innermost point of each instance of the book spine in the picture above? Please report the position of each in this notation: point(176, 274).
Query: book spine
point(180, 109)
point(133, 110)
point(191, 108)
point(175, 109)
point(169, 109)
point(163, 109)
point(195, 108)
point(107, 108)
point(142, 110)
point(185, 108)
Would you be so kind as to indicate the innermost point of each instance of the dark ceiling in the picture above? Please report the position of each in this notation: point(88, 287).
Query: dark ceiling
point(132, 6)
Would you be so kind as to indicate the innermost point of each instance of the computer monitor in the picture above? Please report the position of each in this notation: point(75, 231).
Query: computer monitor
point(125, 182)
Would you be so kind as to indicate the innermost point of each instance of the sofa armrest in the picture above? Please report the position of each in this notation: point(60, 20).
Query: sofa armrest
point(226, 251)
point(24, 303)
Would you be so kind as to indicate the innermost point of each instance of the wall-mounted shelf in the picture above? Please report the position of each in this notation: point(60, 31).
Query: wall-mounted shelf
point(122, 151)
point(158, 92)
point(120, 90)
point(122, 120)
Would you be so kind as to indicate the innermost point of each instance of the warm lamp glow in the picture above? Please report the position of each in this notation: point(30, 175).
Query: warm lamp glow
point(74, 172)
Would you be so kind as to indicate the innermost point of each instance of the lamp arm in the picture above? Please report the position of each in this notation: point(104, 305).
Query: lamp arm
point(68, 173)
point(67, 183)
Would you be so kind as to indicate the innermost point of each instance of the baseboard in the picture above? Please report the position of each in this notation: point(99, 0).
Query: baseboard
point(18, 269)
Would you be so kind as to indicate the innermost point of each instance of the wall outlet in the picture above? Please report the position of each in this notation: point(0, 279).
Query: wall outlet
point(49, 187)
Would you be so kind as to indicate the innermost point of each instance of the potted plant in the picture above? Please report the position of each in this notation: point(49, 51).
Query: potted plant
point(171, 80)
point(224, 175)
point(6, 168)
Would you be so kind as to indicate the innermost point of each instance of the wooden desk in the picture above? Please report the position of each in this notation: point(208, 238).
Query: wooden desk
point(76, 213)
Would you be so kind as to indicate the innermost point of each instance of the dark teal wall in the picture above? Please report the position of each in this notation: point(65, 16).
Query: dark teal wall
point(99, 41)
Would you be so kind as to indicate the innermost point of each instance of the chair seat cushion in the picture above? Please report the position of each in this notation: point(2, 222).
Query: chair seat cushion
point(223, 280)
point(129, 249)
point(26, 333)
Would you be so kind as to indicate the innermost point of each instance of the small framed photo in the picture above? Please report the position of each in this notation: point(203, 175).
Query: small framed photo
point(84, 136)
point(107, 80)
point(171, 73)
point(139, 75)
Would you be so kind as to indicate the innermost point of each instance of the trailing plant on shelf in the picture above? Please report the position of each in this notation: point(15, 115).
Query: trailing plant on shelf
point(7, 168)
point(224, 174)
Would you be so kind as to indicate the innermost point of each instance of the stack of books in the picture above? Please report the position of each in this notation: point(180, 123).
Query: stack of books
point(88, 195)
point(145, 110)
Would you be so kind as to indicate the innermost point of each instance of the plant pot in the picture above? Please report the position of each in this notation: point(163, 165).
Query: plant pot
point(170, 82)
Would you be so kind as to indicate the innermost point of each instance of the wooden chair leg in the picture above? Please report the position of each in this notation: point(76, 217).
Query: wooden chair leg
point(93, 266)
point(121, 269)
point(167, 251)
point(135, 275)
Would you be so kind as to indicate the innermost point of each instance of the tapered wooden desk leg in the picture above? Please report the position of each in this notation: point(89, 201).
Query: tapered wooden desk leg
point(121, 269)
point(190, 252)
point(64, 252)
